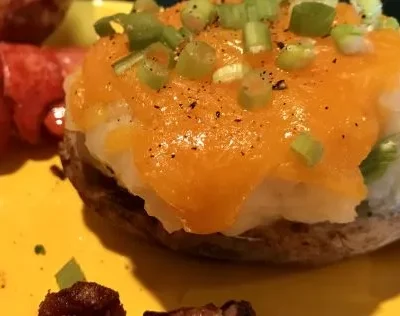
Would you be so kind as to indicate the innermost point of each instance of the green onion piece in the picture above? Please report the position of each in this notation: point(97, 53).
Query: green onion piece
point(171, 37)
point(103, 27)
point(40, 250)
point(69, 274)
point(142, 29)
point(197, 14)
point(255, 91)
point(232, 16)
point(388, 23)
point(369, 10)
point(296, 56)
point(230, 73)
point(379, 159)
point(186, 33)
point(265, 10)
point(312, 18)
point(256, 37)
point(145, 6)
point(349, 39)
point(196, 60)
point(154, 68)
point(251, 11)
point(308, 148)
point(127, 62)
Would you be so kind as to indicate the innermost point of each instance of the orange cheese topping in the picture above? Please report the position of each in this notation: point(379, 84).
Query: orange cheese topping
point(203, 154)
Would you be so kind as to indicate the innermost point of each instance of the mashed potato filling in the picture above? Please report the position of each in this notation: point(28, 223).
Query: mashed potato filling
point(204, 164)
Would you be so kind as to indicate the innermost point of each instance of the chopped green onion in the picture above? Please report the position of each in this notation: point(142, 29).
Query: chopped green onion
point(255, 91)
point(69, 274)
point(256, 37)
point(145, 6)
point(232, 16)
point(312, 18)
point(265, 9)
point(171, 37)
point(388, 23)
point(308, 148)
point(153, 70)
point(103, 26)
point(349, 39)
point(40, 250)
point(186, 33)
point(381, 156)
point(230, 73)
point(296, 56)
point(369, 10)
point(197, 14)
point(196, 60)
point(127, 62)
point(251, 11)
point(142, 28)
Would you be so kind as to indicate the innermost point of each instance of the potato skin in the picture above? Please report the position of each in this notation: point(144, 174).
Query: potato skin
point(30, 21)
point(283, 242)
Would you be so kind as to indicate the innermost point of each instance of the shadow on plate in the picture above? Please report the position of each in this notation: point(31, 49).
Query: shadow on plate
point(19, 153)
point(352, 288)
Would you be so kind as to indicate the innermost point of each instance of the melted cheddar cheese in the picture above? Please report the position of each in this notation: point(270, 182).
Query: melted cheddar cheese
point(203, 155)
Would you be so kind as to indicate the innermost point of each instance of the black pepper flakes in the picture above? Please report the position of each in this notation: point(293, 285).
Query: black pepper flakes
point(280, 85)
point(343, 136)
point(280, 45)
point(327, 108)
point(173, 156)
point(334, 60)
point(193, 105)
point(157, 107)
point(217, 114)
point(356, 124)
point(151, 156)
point(237, 120)
point(242, 153)
point(40, 250)
point(193, 148)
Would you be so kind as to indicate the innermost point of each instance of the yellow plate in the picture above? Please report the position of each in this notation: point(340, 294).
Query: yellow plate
point(37, 208)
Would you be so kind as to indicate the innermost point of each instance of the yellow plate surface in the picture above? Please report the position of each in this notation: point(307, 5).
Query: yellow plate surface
point(38, 208)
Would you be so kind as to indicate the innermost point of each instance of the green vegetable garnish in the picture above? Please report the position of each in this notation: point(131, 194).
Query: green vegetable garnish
point(379, 159)
point(103, 26)
point(142, 29)
point(153, 70)
point(349, 39)
point(308, 148)
point(197, 14)
point(230, 73)
point(40, 250)
point(256, 37)
point(69, 274)
point(255, 91)
point(232, 16)
point(310, 18)
point(127, 62)
point(171, 37)
point(386, 22)
point(266, 10)
point(369, 10)
point(296, 56)
point(196, 60)
point(186, 33)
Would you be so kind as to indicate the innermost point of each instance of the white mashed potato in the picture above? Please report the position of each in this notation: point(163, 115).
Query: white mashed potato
point(271, 200)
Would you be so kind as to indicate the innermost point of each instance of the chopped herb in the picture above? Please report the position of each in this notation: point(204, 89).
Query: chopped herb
point(69, 274)
point(40, 250)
